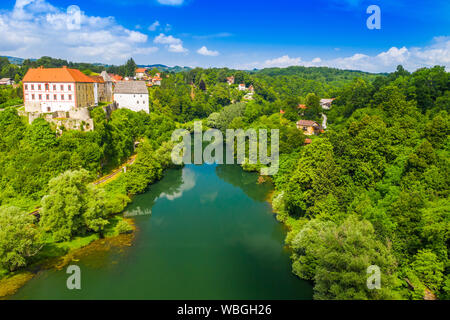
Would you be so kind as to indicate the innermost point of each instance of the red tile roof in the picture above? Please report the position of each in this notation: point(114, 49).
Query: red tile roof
point(141, 70)
point(302, 106)
point(63, 74)
point(307, 123)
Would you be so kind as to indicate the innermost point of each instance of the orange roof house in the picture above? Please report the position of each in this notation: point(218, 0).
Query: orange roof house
point(141, 70)
point(302, 106)
point(63, 74)
point(57, 89)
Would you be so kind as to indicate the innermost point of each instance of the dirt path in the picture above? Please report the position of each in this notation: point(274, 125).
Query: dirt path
point(115, 172)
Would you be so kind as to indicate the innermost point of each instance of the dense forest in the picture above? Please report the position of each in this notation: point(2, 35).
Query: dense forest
point(371, 190)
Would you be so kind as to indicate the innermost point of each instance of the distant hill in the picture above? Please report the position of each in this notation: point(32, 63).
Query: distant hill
point(15, 60)
point(165, 68)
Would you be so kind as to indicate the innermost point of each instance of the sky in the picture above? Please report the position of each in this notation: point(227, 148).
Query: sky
point(236, 34)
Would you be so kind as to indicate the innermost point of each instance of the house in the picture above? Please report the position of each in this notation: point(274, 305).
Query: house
point(326, 103)
point(156, 80)
point(251, 89)
point(141, 73)
point(57, 89)
point(108, 86)
point(242, 87)
point(132, 95)
point(309, 127)
point(6, 82)
point(230, 80)
point(115, 77)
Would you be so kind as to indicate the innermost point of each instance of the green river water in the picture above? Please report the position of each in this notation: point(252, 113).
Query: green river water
point(203, 232)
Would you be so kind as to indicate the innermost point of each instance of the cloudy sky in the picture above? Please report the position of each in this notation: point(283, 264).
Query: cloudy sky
point(238, 34)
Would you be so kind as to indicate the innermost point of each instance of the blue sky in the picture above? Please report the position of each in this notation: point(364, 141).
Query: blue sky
point(239, 34)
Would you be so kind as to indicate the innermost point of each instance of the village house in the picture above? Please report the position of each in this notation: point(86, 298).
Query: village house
point(141, 73)
point(57, 89)
point(326, 103)
point(115, 77)
point(132, 95)
point(309, 127)
point(6, 82)
point(230, 80)
point(156, 80)
point(242, 87)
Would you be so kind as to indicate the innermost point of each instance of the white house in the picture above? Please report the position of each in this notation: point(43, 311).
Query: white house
point(6, 82)
point(141, 73)
point(242, 87)
point(132, 95)
point(326, 103)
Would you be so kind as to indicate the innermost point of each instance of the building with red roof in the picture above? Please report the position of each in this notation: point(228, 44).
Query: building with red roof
point(57, 89)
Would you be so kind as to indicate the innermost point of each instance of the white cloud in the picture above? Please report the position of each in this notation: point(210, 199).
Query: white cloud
point(173, 44)
point(438, 53)
point(154, 25)
point(284, 61)
point(171, 2)
point(205, 52)
point(34, 28)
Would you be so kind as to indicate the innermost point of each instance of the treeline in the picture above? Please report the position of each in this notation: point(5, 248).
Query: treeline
point(198, 93)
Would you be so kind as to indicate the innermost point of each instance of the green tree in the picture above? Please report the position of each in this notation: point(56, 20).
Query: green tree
point(337, 258)
point(19, 238)
point(72, 207)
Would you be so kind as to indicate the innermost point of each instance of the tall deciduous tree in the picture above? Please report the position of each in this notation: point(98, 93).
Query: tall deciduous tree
point(73, 207)
point(19, 238)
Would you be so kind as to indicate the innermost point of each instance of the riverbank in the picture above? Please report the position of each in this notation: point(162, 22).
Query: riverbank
point(59, 255)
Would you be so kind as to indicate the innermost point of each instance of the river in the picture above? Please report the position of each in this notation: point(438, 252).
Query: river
point(203, 232)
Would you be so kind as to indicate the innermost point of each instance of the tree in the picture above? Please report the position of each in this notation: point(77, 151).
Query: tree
point(40, 135)
point(130, 68)
point(337, 256)
point(19, 238)
point(72, 207)
point(313, 109)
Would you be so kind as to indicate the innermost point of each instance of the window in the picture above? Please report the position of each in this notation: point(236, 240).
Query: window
point(70, 88)
point(70, 97)
point(46, 87)
point(54, 87)
point(32, 87)
point(39, 87)
point(137, 102)
point(62, 87)
point(32, 97)
point(26, 87)
point(55, 97)
point(48, 109)
point(47, 97)
point(62, 97)
point(40, 97)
